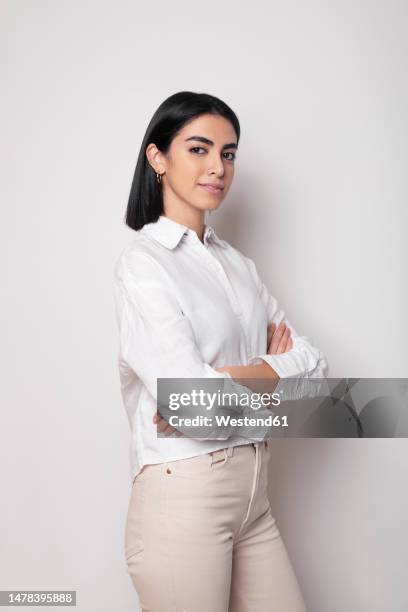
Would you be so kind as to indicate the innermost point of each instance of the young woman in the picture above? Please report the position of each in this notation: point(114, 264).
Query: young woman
point(200, 535)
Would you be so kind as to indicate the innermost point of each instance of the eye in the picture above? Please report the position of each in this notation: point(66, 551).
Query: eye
point(197, 148)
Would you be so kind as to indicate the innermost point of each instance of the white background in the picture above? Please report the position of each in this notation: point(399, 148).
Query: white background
point(319, 201)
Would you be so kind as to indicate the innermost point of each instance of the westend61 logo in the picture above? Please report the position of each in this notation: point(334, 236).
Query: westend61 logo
point(223, 421)
point(208, 400)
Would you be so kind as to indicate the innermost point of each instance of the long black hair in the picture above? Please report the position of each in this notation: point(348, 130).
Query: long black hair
point(145, 203)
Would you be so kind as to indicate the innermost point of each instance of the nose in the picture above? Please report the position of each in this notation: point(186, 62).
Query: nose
point(216, 165)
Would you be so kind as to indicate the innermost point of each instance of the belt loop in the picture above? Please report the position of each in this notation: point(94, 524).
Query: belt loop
point(217, 456)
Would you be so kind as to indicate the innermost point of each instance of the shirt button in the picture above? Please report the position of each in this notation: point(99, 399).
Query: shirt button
point(168, 471)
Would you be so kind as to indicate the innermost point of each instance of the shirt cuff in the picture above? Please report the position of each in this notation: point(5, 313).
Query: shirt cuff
point(293, 367)
point(284, 364)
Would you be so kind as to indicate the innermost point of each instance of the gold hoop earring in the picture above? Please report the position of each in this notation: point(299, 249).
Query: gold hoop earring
point(158, 178)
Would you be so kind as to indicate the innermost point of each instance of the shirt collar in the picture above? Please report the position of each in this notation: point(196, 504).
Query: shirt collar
point(169, 232)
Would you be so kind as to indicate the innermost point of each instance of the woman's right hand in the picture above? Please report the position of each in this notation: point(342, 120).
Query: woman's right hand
point(279, 338)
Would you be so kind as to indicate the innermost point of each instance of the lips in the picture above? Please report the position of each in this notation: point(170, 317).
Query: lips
point(211, 188)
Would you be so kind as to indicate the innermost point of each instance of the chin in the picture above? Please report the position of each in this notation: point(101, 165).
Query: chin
point(206, 207)
point(213, 207)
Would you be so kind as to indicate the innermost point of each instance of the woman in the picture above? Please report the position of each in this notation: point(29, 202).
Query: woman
point(200, 536)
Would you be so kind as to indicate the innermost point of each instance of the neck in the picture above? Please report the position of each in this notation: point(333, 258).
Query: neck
point(190, 217)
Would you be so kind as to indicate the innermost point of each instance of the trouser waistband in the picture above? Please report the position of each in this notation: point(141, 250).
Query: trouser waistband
point(223, 453)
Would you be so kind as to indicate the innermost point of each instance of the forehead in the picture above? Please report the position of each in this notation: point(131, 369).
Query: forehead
point(215, 127)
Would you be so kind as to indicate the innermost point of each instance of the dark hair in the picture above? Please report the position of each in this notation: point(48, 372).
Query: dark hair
point(146, 197)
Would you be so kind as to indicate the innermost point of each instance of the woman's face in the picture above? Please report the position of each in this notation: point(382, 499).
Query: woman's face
point(203, 152)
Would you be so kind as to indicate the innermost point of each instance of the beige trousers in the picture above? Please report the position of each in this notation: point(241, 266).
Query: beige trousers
point(200, 537)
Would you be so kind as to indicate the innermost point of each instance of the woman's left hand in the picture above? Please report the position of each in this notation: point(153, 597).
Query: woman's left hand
point(279, 338)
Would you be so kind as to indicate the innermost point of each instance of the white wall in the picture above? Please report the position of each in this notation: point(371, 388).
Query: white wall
point(319, 201)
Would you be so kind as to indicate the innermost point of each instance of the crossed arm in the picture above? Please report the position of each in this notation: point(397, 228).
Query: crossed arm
point(279, 341)
point(156, 337)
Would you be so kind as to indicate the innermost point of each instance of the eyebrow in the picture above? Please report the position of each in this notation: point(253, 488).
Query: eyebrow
point(231, 145)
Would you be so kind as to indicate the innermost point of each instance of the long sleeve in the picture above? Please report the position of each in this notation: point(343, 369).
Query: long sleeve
point(156, 338)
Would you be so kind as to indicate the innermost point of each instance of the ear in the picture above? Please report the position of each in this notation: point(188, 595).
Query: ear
point(155, 158)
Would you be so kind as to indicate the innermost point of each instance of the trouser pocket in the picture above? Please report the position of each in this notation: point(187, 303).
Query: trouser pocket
point(134, 541)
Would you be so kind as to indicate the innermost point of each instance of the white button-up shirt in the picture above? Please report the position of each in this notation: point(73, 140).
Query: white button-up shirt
point(183, 308)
